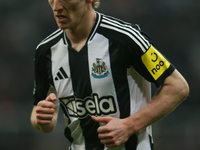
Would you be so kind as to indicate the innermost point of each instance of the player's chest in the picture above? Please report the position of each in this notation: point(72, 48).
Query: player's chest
point(92, 67)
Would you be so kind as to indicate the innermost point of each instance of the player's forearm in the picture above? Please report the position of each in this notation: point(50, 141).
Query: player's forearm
point(171, 94)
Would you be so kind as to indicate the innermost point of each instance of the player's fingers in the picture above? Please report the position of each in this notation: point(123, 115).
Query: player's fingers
point(45, 110)
point(101, 119)
point(104, 130)
point(46, 104)
point(44, 117)
point(43, 122)
point(111, 145)
point(104, 135)
point(109, 142)
point(51, 97)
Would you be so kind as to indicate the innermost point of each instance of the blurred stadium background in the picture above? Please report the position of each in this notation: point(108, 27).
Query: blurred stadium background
point(174, 26)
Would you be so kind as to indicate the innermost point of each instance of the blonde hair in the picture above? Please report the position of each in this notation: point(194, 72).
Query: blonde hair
point(95, 3)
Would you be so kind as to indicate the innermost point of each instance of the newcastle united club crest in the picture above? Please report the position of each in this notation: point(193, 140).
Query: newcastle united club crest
point(99, 69)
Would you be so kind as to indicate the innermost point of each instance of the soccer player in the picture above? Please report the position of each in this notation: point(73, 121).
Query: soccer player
point(99, 69)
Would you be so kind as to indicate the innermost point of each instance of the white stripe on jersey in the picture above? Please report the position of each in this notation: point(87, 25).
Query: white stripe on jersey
point(59, 59)
point(140, 88)
point(77, 134)
point(140, 96)
point(143, 140)
point(101, 51)
point(128, 30)
point(50, 37)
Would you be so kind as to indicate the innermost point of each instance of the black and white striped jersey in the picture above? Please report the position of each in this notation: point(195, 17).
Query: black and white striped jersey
point(110, 76)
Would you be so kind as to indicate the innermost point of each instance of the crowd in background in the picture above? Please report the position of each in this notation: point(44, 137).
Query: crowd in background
point(174, 27)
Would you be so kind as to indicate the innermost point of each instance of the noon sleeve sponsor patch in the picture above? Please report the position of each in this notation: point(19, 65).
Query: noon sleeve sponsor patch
point(155, 62)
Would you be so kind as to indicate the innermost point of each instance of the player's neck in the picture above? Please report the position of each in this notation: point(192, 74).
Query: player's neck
point(79, 35)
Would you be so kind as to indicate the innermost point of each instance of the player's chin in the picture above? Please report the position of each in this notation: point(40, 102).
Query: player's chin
point(62, 26)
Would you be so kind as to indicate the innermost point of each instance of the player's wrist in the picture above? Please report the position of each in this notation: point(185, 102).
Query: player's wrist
point(133, 123)
point(47, 128)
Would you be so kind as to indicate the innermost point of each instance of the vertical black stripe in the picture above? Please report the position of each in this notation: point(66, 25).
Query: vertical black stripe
point(119, 73)
point(151, 142)
point(131, 144)
point(80, 72)
point(68, 134)
point(82, 88)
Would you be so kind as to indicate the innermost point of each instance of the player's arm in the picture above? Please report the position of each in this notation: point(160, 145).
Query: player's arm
point(173, 91)
point(44, 115)
point(117, 131)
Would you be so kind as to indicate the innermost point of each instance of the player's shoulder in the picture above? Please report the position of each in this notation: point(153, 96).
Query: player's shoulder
point(124, 32)
point(50, 39)
point(117, 24)
point(46, 44)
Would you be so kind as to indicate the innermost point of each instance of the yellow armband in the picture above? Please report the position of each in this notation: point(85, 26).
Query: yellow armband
point(155, 62)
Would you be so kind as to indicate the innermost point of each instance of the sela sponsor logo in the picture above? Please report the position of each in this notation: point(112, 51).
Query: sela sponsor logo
point(155, 62)
point(99, 69)
point(92, 105)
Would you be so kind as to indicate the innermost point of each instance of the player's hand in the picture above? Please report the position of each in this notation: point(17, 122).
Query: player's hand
point(45, 110)
point(115, 132)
